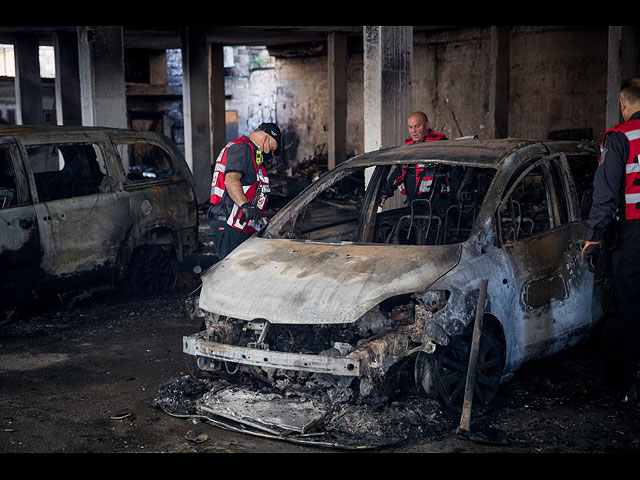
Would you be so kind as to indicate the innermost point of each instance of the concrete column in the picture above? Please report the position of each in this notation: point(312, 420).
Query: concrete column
point(197, 123)
point(337, 111)
point(622, 63)
point(499, 95)
point(217, 99)
point(102, 86)
point(388, 62)
point(630, 51)
point(28, 84)
point(68, 110)
point(388, 59)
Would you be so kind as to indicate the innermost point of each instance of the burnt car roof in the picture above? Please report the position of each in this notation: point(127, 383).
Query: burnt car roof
point(37, 133)
point(19, 130)
point(489, 153)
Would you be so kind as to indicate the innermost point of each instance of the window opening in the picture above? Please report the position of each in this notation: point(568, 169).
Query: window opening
point(66, 171)
point(562, 202)
point(8, 192)
point(583, 169)
point(143, 161)
point(337, 212)
point(526, 211)
point(46, 57)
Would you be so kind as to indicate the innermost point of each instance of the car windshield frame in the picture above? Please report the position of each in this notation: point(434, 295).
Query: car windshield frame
point(376, 174)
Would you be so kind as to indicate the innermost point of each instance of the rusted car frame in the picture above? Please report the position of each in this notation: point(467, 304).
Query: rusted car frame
point(85, 201)
point(357, 268)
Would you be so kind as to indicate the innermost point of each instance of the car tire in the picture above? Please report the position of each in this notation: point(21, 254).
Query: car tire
point(442, 375)
point(152, 270)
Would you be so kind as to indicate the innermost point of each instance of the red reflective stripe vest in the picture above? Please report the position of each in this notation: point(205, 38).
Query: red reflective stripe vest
point(431, 137)
point(218, 188)
point(631, 130)
point(423, 182)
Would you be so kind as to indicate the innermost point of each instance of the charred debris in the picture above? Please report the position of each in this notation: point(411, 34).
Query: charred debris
point(310, 407)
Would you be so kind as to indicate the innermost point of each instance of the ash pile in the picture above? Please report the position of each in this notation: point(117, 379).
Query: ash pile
point(244, 404)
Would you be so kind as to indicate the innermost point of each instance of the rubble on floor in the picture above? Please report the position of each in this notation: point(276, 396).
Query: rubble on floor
point(315, 419)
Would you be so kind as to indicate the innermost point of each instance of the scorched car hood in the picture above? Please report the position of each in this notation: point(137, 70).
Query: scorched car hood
point(294, 282)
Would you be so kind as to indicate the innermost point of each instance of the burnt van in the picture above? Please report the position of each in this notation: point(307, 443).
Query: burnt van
point(89, 206)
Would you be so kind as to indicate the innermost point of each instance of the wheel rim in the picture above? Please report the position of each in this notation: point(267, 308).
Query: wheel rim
point(153, 271)
point(450, 367)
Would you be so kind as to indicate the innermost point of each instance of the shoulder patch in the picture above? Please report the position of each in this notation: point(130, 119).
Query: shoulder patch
point(603, 151)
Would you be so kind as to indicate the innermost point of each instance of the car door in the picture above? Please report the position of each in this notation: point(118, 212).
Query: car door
point(19, 239)
point(540, 235)
point(83, 221)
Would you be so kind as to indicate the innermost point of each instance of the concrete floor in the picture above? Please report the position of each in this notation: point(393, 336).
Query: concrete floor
point(83, 381)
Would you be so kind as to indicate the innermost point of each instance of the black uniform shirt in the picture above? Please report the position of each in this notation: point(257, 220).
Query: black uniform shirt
point(608, 190)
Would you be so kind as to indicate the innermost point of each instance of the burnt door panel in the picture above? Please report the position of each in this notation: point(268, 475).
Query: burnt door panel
point(19, 239)
point(554, 304)
point(19, 253)
point(82, 222)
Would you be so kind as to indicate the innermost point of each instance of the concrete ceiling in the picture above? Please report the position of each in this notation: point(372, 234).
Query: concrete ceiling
point(146, 36)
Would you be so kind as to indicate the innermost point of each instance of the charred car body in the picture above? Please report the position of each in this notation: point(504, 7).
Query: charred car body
point(85, 206)
point(339, 288)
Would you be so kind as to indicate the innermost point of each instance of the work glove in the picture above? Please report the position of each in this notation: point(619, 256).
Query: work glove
point(249, 212)
point(590, 250)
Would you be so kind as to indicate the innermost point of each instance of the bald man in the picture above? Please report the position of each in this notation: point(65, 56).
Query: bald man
point(420, 129)
point(416, 181)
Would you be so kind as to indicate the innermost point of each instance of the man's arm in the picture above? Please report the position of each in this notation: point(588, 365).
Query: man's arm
point(606, 186)
point(389, 188)
point(607, 182)
point(239, 164)
point(234, 187)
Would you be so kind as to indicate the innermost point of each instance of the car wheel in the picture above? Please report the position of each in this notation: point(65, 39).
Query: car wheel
point(442, 375)
point(152, 271)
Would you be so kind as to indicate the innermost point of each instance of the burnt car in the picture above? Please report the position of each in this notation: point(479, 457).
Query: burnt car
point(89, 206)
point(339, 287)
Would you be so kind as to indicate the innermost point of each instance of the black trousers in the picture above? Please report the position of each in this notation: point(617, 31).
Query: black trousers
point(621, 334)
point(225, 237)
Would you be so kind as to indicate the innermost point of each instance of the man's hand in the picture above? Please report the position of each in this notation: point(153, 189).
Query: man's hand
point(589, 250)
point(249, 212)
point(384, 197)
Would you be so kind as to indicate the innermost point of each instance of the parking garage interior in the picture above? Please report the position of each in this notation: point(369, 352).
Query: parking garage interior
point(335, 91)
point(202, 85)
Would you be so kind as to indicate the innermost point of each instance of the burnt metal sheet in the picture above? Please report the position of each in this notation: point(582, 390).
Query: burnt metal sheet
point(267, 412)
point(311, 283)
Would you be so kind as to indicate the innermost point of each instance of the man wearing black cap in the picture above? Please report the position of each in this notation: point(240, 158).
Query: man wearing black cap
point(240, 187)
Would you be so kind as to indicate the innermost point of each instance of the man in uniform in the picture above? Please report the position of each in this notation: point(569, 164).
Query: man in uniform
point(616, 193)
point(416, 181)
point(240, 186)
